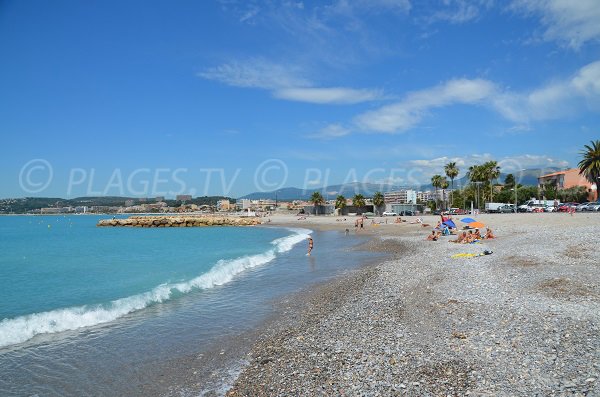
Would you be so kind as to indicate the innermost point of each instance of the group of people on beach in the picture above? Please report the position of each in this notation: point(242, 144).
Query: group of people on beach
point(466, 237)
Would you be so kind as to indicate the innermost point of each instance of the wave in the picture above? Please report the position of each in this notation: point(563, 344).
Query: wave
point(23, 328)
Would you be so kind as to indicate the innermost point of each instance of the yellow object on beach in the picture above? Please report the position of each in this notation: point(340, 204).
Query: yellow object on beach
point(456, 256)
point(467, 255)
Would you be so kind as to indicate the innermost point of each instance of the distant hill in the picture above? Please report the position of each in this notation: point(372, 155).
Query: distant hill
point(348, 190)
point(28, 204)
point(524, 177)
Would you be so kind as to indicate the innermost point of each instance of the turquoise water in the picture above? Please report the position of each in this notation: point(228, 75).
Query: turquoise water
point(61, 273)
point(117, 311)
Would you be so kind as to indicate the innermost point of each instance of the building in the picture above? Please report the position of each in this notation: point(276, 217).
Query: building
point(224, 205)
point(243, 204)
point(400, 197)
point(183, 197)
point(567, 179)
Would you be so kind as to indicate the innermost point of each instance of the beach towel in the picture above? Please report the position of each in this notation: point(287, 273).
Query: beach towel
point(470, 255)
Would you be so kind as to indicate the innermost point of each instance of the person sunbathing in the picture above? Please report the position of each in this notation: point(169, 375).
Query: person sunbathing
point(477, 235)
point(461, 238)
point(432, 237)
point(470, 238)
point(489, 234)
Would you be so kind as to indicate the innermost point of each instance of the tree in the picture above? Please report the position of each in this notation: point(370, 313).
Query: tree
point(451, 172)
point(358, 200)
point(340, 202)
point(589, 166)
point(317, 199)
point(436, 182)
point(477, 176)
point(444, 185)
point(509, 181)
point(491, 171)
point(378, 200)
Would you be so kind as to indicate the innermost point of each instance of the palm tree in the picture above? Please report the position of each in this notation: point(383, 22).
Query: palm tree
point(492, 172)
point(317, 199)
point(358, 200)
point(436, 182)
point(451, 172)
point(444, 185)
point(340, 202)
point(378, 200)
point(476, 175)
point(589, 166)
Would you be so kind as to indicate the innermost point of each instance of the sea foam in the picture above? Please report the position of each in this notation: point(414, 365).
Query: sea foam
point(20, 329)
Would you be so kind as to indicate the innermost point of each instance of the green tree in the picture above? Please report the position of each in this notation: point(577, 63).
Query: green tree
point(358, 200)
point(444, 185)
point(509, 181)
point(589, 166)
point(378, 201)
point(451, 171)
point(477, 176)
point(491, 171)
point(436, 182)
point(317, 200)
point(549, 191)
point(577, 194)
point(340, 202)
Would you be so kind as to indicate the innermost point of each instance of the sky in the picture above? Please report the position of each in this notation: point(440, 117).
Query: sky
point(158, 98)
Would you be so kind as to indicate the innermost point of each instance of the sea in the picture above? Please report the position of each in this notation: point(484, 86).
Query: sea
point(89, 311)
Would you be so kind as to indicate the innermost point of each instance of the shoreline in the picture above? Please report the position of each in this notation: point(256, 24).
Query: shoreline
point(421, 323)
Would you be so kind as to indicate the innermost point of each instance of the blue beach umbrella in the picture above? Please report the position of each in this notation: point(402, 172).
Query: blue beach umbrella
point(468, 220)
point(450, 223)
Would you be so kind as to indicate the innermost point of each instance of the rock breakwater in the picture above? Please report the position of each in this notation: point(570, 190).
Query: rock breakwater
point(178, 221)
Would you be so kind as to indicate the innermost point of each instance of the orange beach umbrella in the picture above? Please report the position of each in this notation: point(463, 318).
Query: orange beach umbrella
point(476, 225)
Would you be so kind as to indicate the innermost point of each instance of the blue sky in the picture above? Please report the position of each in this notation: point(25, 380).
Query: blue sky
point(147, 98)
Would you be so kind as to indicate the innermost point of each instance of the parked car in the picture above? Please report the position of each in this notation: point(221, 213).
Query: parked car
point(582, 206)
point(506, 209)
point(389, 213)
point(593, 207)
point(549, 208)
point(565, 207)
point(536, 208)
point(457, 211)
point(407, 213)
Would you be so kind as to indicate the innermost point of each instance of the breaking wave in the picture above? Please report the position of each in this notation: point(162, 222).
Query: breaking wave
point(23, 328)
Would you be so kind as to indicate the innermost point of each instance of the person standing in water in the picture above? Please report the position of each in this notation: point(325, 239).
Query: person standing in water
point(310, 246)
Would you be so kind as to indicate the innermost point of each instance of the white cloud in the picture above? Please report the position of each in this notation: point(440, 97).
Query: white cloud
point(331, 131)
point(337, 95)
point(406, 114)
point(255, 73)
point(572, 23)
point(284, 82)
point(555, 100)
point(459, 11)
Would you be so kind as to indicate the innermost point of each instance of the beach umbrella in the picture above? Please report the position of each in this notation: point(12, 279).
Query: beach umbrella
point(476, 225)
point(450, 223)
point(468, 220)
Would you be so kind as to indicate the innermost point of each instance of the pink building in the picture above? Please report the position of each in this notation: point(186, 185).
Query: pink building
point(568, 178)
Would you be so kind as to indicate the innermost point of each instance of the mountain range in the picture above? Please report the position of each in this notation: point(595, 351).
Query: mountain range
point(524, 177)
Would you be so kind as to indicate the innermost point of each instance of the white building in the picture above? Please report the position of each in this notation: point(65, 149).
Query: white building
point(401, 196)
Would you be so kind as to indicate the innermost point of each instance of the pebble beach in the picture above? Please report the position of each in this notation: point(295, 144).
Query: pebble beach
point(523, 321)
